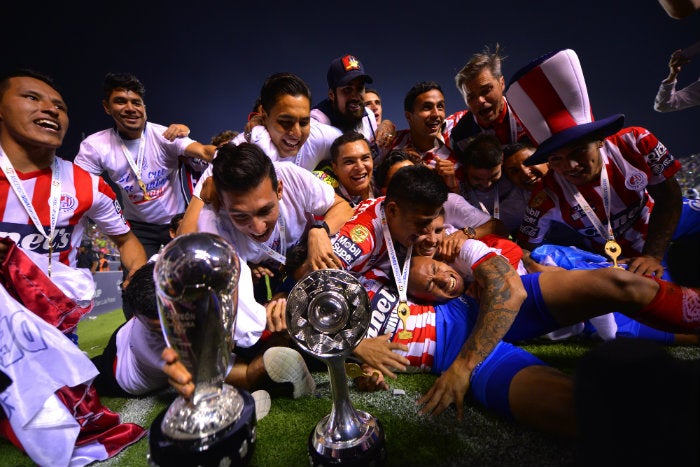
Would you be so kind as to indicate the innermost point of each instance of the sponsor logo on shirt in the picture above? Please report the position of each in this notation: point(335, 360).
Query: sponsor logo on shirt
point(27, 238)
point(346, 250)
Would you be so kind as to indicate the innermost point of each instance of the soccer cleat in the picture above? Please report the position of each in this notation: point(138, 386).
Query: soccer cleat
point(262, 403)
point(286, 365)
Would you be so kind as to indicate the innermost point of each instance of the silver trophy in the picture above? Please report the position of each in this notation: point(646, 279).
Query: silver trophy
point(328, 314)
point(196, 278)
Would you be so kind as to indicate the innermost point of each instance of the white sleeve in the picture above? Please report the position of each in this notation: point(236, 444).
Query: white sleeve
point(668, 99)
point(472, 251)
point(460, 213)
point(251, 318)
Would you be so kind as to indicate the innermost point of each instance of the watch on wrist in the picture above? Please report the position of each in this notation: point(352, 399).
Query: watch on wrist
point(469, 232)
point(321, 225)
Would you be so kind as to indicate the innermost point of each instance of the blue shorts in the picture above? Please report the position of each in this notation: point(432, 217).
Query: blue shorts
point(490, 381)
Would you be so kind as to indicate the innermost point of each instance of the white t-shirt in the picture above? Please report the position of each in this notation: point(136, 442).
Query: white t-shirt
point(303, 196)
point(103, 152)
point(315, 149)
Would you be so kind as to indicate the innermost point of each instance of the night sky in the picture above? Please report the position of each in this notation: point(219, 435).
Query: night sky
point(203, 62)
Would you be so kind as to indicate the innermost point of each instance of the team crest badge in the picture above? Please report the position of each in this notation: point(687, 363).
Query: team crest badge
point(350, 63)
point(68, 202)
point(359, 234)
point(538, 199)
point(636, 181)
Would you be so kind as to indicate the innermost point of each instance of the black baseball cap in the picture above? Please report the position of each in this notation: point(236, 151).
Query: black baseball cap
point(344, 69)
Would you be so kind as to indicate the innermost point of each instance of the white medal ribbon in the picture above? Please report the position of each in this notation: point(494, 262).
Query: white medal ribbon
point(279, 257)
point(400, 275)
point(136, 165)
point(605, 186)
point(54, 199)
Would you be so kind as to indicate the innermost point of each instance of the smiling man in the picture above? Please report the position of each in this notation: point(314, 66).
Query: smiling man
point(481, 84)
point(266, 207)
point(142, 159)
point(428, 130)
point(615, 186)
point(414, 198)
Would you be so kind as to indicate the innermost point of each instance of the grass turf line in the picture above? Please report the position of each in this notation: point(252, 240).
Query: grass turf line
point(412, 440)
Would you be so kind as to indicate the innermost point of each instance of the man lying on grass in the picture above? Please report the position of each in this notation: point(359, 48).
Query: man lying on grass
point(509, 380)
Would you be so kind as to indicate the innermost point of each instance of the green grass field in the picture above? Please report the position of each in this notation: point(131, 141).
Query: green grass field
point(481, 439)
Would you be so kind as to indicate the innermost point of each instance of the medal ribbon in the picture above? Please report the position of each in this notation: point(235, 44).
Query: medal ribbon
point(136, 165)
point(279, 257)
point(400, 275)
point(54, 198)
point(605, 185)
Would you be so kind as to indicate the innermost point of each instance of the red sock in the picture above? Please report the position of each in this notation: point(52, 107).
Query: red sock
point(674, 308)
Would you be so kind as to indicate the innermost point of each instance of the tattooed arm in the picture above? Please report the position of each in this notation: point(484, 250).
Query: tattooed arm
point(502, 293)
point(662, 223)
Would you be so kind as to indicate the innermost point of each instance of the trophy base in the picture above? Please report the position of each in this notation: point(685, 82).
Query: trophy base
point(232, 446)
point(369, 450)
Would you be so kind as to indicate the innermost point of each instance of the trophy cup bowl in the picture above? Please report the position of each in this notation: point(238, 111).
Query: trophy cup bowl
point(328, 314)
point(196, 278)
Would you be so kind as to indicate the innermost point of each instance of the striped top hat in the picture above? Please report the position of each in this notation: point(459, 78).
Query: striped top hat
point(550, 98)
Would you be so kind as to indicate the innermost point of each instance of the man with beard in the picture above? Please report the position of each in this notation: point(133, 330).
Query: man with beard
point(345, 106)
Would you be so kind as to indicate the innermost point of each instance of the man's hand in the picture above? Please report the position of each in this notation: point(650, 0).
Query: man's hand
point(451, 245)
point(644, 266)
point(178, 376)
point(378, 352)
point(386, 132)
point(449, 388)
point(259, 272)
point(372, 380)
point(176, 130)
point(276, 311)
point(320, 254)
point(446, 170)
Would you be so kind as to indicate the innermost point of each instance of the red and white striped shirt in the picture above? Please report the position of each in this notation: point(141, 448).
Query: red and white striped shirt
point(634, 159)
point(83, 196)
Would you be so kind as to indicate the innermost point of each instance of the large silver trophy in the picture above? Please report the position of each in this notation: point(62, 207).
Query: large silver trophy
point(196, 278)
point(327, 315)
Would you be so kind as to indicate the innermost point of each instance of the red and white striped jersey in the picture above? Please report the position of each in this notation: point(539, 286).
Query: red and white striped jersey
point(634, 159)
point(360, 242)
point(83, 196)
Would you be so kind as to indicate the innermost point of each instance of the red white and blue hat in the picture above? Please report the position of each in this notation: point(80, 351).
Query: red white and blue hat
point(550, 98)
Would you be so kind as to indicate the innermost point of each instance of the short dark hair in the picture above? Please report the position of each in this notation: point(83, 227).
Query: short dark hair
point(417, 185)
point(510, 149)
point(280, 84)
point(373, 91)
point(24, 73)
point(140, 294)
point(175, 221)
point(417, 90)
point(241, 168)
point(296, 256)
point(126, 81)
point(345, 138)
point(482, 151)
point(392, 158)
